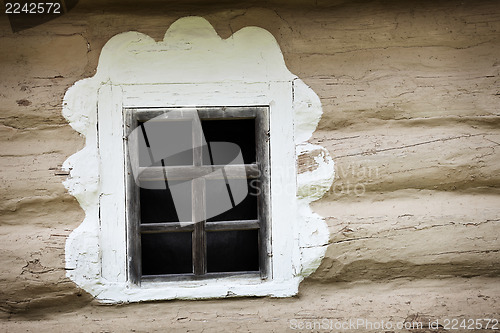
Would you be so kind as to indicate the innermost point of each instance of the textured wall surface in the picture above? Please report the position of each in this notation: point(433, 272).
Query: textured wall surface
point(411, 101)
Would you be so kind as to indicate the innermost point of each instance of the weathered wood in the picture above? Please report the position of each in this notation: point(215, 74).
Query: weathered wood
point(198, 205)
point(132, 206)
point(234, 171)
point(168, 114)
point(208, 113)
point(60, 171)
point(151, 228)
point(437, 75)
point(263, 199)
point(232, 225)
point(191, 277)
point(205, 113)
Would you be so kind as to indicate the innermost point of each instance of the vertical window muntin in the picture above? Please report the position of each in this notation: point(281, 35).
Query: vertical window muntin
point(203, 245)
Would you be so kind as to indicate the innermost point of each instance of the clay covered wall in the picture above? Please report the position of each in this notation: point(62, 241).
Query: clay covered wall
point(410, 93)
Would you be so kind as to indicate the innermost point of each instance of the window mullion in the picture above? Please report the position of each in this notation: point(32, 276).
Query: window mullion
point(198, 204)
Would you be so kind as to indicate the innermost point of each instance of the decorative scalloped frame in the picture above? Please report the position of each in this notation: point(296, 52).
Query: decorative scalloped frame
point(192, 66)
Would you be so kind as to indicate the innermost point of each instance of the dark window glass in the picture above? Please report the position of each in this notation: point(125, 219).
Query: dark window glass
point(240, 132)
point(166, 253)
point(168, 140)
point(165, 201)
point(232, 251)
point(220, 198)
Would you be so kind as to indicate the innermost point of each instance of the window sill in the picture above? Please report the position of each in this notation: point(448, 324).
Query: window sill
point(234, 286)
point(199, 278)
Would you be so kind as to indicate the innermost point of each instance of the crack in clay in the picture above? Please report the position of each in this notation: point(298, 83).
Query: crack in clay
point(375, 151)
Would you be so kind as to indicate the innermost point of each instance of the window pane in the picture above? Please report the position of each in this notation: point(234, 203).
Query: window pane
point(165, 201)
point(240, 132)
point(232, 251)
point(166, 253)
point(220, 198)
point(167, 140)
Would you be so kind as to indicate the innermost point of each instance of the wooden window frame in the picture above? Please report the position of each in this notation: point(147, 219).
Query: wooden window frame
point(198, 173)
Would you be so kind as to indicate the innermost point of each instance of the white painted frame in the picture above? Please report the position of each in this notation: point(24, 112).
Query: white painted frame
point(278, 96)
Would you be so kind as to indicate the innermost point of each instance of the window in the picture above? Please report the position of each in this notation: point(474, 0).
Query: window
point(139, 240)
point(197, 192)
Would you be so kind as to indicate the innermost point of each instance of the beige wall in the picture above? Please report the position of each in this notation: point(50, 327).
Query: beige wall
point(411, 100)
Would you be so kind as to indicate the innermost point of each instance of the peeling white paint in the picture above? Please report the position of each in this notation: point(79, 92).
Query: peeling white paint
point(312, 185)
point(192, 66)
